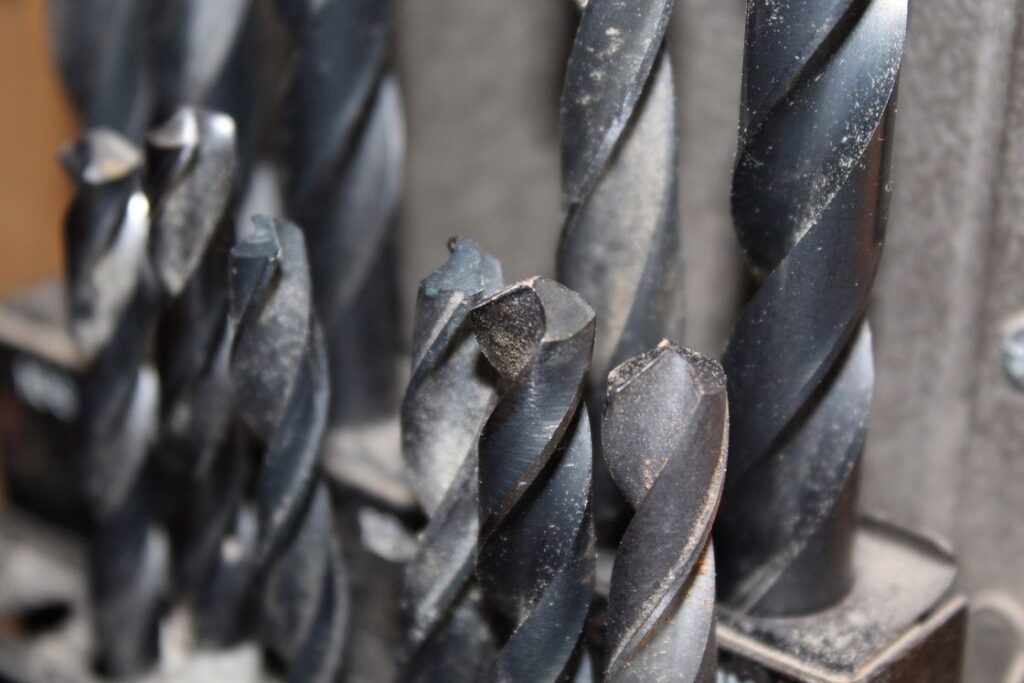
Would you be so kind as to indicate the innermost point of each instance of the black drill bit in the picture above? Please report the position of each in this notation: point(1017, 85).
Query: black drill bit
point(450, 394)
point(100, 48)
point(344, 148)
point(279, 378)
point(192, 164)
point(113, 300)
point(535, 557)
point(810, 203)
point(620, 246)
point(665, 432)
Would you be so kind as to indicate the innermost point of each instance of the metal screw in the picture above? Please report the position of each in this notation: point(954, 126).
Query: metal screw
point(1013, 351)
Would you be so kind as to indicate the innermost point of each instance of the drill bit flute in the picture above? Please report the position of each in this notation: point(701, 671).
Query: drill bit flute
point(619, 244)
point(665, 429)
point(344, 146)
point(535, 557)
point(810, 193)
point(279, 379)
point(449, 396)
point(113, 298)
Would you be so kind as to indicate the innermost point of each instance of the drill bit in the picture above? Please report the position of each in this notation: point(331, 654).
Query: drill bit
point(665, 431)
point(344, 149)
point(449, 396)
point(190, 180)
point(113, 300)
point(535, 556)
point(279, 379)
point(620, 247)
point(100, 48)
point(810, 203)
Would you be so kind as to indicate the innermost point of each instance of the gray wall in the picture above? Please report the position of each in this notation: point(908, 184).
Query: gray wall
point(946, 449)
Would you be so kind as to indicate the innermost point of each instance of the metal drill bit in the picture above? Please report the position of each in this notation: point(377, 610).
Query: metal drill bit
point(100, 48)
point(279, 377)
point(810, 196)
point(113, 302)
point(450, 394)
point(665, 431)
point(535, 557)
point(620, 247)
point(344, 148)
point(190, 180)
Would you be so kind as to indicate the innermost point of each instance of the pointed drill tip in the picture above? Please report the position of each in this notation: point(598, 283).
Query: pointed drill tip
point(469, 270)
point(705, 374)
point(100, 156)
point(511, 324)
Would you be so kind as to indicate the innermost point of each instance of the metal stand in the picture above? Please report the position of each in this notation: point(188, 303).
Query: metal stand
point(900, 622)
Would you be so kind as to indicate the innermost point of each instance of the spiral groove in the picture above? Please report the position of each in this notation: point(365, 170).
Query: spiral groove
point(279, 380)
point(810, 192)
point(344, 149)
point(665, 431)
point(620, 246)
point(535, 557)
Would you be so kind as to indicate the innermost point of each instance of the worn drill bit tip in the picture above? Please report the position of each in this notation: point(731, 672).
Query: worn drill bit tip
point(535, 557)
point(100, 156)
point(665, 433)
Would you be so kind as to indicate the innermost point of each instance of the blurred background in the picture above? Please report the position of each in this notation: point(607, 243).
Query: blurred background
point(481, 79)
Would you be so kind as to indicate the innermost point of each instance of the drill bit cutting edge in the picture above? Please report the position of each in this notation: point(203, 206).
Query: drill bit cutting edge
point(665, 432)
point(810, 203)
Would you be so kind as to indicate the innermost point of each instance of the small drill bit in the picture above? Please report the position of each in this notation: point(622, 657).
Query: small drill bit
point(449, 396)
point(190, 181)
point(665, 431)
point(620, 247)
point(810, 204)
point(279, 378)
point(345, 144)
point(100, 49)
point(114, 300)
point(535, 556)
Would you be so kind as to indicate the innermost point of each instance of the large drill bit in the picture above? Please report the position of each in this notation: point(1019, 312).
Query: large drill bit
point(619, 245)
point(449, 396)
point(810, 194)
point(665, 430)
point(535, 557)
point(344, 148)
point(190, 181)
point(113, 302)
point(279, 376)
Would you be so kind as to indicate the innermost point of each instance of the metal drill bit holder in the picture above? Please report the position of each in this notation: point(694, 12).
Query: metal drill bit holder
point(902, 621)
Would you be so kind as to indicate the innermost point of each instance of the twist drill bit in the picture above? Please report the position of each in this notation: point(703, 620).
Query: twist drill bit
point(619, 247)
point(810, 203)
point(279, 377)
point(344, 151)
point(535, 557)
point(190, 180)
point(113, 299)
point(449, 396)
point(100, 47)
point(665, 430)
